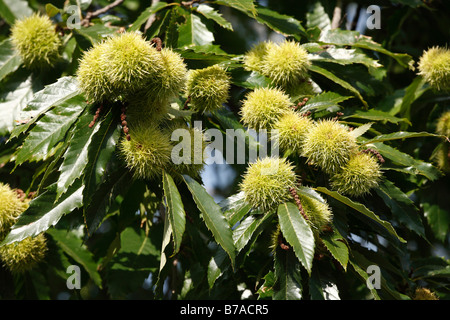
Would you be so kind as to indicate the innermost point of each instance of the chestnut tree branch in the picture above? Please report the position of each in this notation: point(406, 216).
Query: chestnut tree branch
point(337, 14)
point(87, 19)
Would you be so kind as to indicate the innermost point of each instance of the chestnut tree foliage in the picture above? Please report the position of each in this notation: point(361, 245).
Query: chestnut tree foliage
point(167, 236)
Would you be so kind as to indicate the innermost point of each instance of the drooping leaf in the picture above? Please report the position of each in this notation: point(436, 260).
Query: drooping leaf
point(234, 208)
point(213, 217)
point(114, 184)
point(411, 165)
point(10, 60)
point(429, 267)
point(76, 155)
point(339, 81)
point(387, 291)
point(361, 209)
point(363, 274)
point(297, 233)
point(288, 278)
point(247, 229)
point(43, 212)
point(401, 206)
point(217, 265)
point(167, 233)
point(337, 246)
point(100, 151)
point(49, 130)
point(73, 246)
point(175, 210)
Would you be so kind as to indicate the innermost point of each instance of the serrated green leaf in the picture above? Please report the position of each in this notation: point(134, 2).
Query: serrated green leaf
point(13, 98)
point(104, 177)
point(355, 39)
point(133, 262)
point(317, 17)
point(209, 13)
point(167, 233)
point(49, 130)
point(288, 278)
point(10, 60)
point(401, 206)
point(436, 208)
point(337, 246)
point(86, 37)
point(206, 53)
point(266, 289)
point(246, 6)
point(417, 87)
point(311, 193)
point(234, 208)
point(362, 209)
point(321, 289)
point(375, 115)
point(323, 101)
point(101, 149)
point(11, 10)
point(363, 274)
point(217, 266)
point(52, 95)
point(400, 135)
point(284, 24)
point(43, 212)
point(361, 130)
point(143, 17)
point(249, 79)
point(194, 32)
point(213, 217)
point(339, 81)
point(175, 210)
point(361, 263)
point(247, 229)
point(343, 56)
point(76, 155)
point(73, 246)
point(297, 233)
point(114, 184)
point(412, 165)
